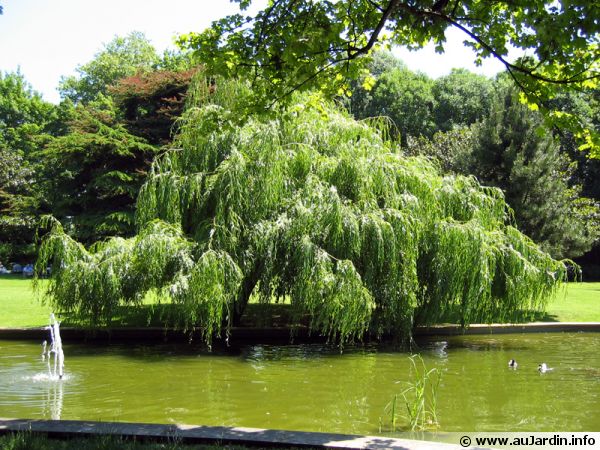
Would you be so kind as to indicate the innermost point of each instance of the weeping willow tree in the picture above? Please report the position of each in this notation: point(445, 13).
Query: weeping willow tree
point(310, 206)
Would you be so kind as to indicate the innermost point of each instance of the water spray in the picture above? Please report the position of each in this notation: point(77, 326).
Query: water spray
point(55, 349)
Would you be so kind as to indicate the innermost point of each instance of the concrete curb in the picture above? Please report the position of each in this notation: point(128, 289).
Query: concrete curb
point(280, 335)
point(506, 328)
point(221, 435)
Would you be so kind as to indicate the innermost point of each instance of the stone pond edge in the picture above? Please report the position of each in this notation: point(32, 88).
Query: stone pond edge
point(283, 335)
point(210, 435)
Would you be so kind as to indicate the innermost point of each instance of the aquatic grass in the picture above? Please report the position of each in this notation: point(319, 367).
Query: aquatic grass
point(418, 400)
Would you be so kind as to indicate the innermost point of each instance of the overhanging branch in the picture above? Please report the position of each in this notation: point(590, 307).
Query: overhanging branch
point(393, 5)
point(354, 52)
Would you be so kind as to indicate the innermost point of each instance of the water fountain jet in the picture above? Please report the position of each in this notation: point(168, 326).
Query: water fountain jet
point(55, 349)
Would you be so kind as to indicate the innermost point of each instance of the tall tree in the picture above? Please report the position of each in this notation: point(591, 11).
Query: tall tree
point(23, 114)
point(407, 99)
point(122, 57)
point(311, 205)
point(462, 98)
point(361, 89)
point(585, 106)
point(516, 152)
point(16, 228)
point(92, 174)
point(25, 120)
point(152, 102)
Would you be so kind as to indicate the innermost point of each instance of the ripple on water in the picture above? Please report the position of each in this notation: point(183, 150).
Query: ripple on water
point(30, 383)
point(46, 377)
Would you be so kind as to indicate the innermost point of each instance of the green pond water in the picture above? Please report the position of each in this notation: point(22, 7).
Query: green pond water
point(313, 387)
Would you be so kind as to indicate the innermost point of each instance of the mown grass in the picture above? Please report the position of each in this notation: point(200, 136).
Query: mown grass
point(29, 441)
point(579, 302)
point(19, 307)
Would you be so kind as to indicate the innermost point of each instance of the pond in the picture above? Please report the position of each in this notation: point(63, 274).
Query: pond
point(313, 387)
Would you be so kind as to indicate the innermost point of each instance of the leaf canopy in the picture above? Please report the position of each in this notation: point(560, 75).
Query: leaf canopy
point(302, 44)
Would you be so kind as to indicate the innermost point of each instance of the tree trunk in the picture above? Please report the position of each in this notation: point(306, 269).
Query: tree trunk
point(247, 286)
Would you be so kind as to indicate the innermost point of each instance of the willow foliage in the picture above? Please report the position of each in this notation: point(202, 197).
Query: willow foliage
point(310, 205)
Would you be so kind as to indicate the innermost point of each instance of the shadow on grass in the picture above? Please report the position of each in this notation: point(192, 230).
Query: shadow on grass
point(257, 315)
point(164, 315)
point(125, 316)
point(269, 315)
point(14, 276)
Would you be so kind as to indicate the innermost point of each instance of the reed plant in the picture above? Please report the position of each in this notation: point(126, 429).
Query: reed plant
point(418, 400)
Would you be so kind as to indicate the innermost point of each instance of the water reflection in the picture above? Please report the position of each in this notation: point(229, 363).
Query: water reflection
point(28, 386)
point(54, 400)
point(438, 349)
point(51, 389)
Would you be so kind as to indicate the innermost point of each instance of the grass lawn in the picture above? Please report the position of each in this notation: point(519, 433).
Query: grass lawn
point(18, 306)
point(579, 302)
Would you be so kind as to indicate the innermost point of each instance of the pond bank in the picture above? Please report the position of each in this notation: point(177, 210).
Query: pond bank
point(280, 335)
point(221, 435)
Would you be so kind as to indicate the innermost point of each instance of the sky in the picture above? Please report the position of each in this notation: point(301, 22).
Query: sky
point(47, 39)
